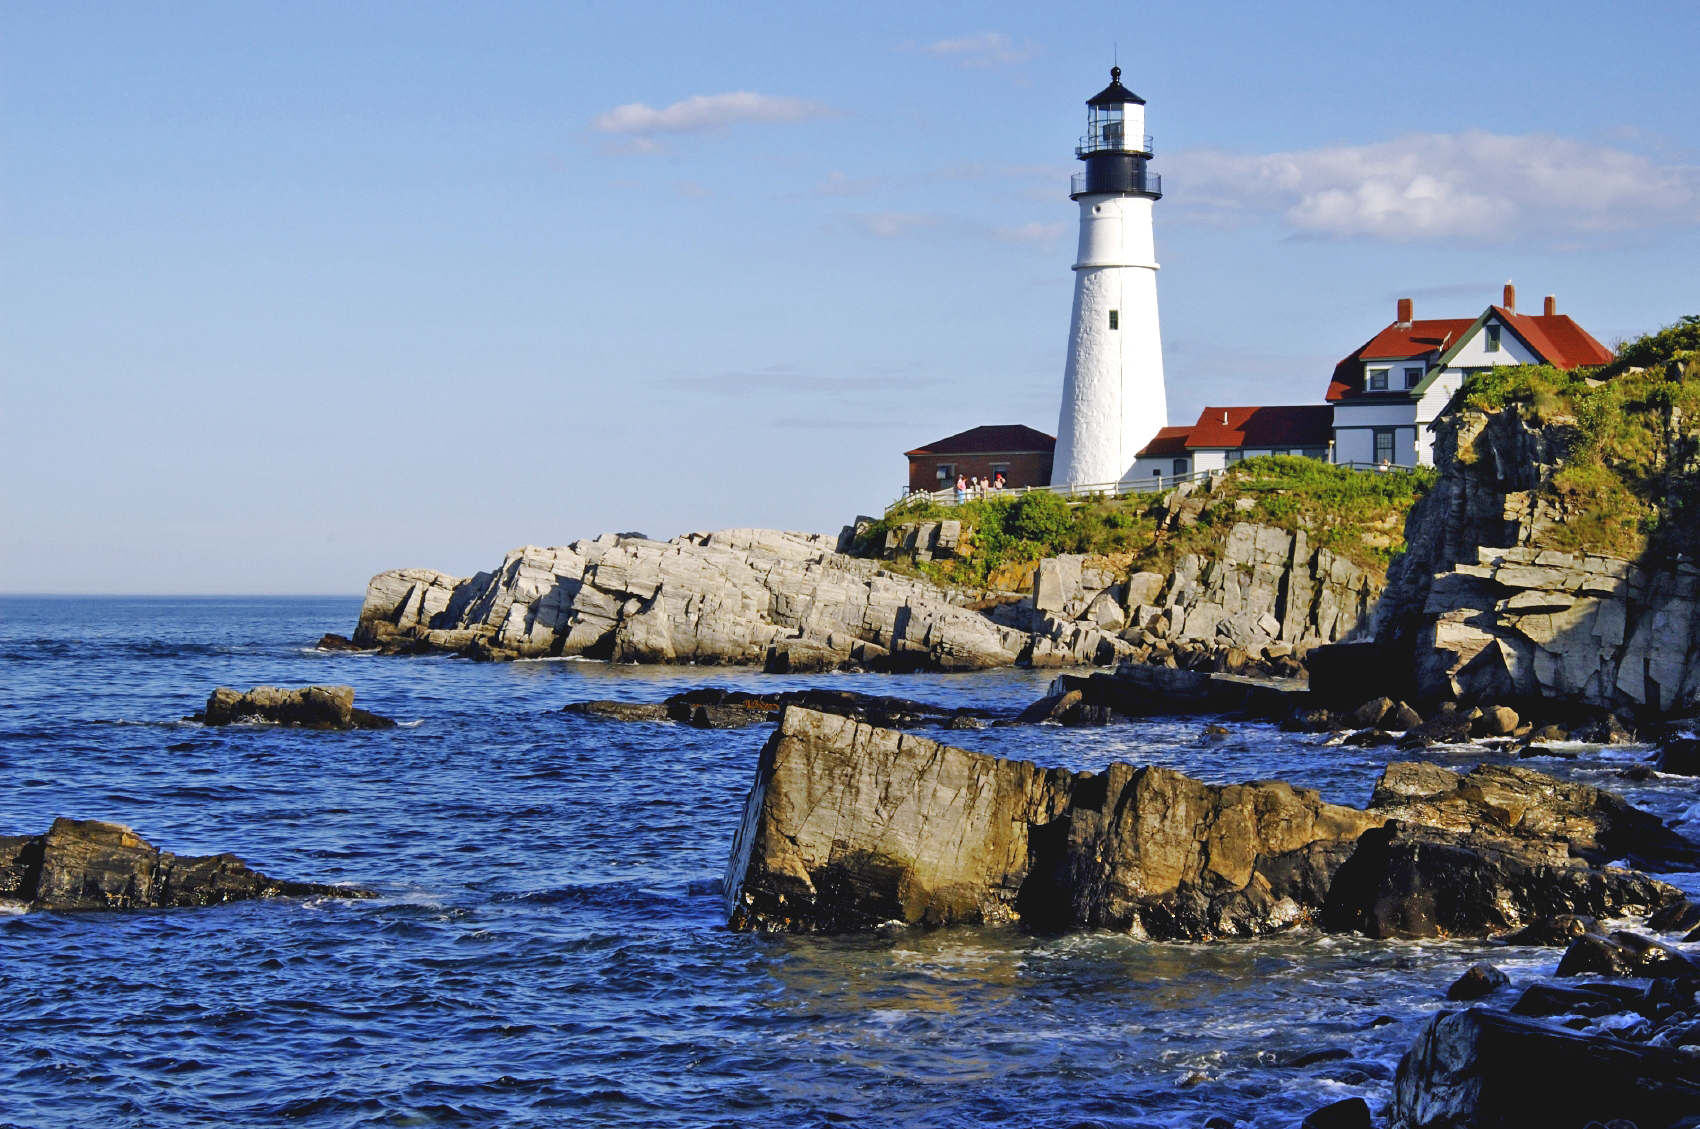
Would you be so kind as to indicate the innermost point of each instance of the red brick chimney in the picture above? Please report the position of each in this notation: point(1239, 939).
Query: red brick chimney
point(1404, 318)
point(1551, 305)
point(1510, 302)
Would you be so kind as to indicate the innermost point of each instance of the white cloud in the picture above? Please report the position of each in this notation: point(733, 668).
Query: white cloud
point(1039, 235)
point(707, 113)
point(837, 184)
point(1439, 187)
point(984, 49)
point(888, 225)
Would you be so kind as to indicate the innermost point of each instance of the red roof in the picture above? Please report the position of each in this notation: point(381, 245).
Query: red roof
point(1555, 338)
point(1280, 426)
point(993, 439)
point(1169, 443)
point(1560, 341)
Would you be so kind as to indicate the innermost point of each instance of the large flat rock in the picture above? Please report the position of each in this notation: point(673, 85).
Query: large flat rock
point(848, 826)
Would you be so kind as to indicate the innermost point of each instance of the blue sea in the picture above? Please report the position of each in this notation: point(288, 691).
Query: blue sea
point(548, 944)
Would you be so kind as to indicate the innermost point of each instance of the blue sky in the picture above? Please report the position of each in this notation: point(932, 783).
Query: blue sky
point(295, 293)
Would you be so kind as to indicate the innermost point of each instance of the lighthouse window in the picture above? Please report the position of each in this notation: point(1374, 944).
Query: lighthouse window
point(1115, 319)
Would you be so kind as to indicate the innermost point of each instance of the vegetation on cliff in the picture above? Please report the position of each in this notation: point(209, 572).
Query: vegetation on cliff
point(1630, 477)
point(1356, 514)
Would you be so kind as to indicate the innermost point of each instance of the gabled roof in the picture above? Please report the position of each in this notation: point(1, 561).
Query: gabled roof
point(1001, 439)
point(1290, 425)
point(1554, 338)
point(1169, 443)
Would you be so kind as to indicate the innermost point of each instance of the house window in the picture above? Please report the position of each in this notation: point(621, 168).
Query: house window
point(1158, 471)
point(1492, 339)
point(1378, 380)
point(1003, 469)
point(946, 474)
point(1316, 452)
point(1383, 445)
point(1280, 451)
point(1115, 319)
point(1180, 466)
point(1413, 377)
point(1235, 456)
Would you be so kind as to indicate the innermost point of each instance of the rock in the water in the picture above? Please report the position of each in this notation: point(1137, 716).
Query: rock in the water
point(1485, 1068)
point(1348, 1113)
point(1680, 756)
point(848, 826)
point(1479, 980)
point(1588, 1000)
point(1401, 717)
point(1626, 954)
point(619, 711)
point(311, 707)
point(1597, 825)
point(91, 865)
point(1495, 721)
point(1369, 715)
point(1559, 929)
point(330, 642)
point(714, 707)
point(1678, 916)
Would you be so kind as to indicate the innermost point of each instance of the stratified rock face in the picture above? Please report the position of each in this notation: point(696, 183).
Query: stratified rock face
point(1268, 596)
point(310, 707)
point(1490, 1070)
point(848, 826)
point(737, 596)
point(1488, 613)
point(91, 865)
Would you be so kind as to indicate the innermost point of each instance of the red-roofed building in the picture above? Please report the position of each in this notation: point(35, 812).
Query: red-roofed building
point(1021, 454)
point(1227, 435)
point(1387, 393)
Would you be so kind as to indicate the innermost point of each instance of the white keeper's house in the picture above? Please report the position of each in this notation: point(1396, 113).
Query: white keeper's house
point(1387, 392)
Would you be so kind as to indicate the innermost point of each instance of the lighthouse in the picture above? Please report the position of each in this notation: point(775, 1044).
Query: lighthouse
point(1113, 401)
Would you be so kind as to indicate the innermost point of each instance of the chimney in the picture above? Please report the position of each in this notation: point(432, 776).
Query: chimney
point(1551, 307)
point(1510, 302)
point(1404, 319)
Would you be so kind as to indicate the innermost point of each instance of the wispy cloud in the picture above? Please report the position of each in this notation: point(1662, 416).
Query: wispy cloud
point(1472, 186)
point(640, 124)
point(788, 380)
point(837, 184)
point(982, 49)
point(691, 189)
point(1041, 235)
point(889, 225)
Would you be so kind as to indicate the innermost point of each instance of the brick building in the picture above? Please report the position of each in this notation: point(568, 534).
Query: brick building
point(1020, 454)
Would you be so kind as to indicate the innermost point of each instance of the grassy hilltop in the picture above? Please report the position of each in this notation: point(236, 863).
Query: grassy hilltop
point(1359, 515)
point(1630, 478)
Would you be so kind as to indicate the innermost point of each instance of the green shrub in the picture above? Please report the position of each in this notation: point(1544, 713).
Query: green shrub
point(1040, 517)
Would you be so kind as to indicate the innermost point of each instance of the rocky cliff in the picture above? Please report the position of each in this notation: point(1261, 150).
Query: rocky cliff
point(1510, 587)
point(1265, 594)
point(848, 826)
point(789, 600)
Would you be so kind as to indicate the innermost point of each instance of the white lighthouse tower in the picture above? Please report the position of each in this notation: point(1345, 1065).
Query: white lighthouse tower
point(1113, 401)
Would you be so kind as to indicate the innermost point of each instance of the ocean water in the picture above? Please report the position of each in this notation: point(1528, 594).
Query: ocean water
point(548, 947)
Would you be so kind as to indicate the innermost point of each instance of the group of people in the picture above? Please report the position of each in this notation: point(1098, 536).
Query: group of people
point(977, 487)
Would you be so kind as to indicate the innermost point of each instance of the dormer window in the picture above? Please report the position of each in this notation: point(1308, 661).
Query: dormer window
point(1413, 377)
point(1378, 380)
point(1492, 339)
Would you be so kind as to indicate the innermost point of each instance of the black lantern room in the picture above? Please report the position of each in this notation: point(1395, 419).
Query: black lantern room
point(1116, 147)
